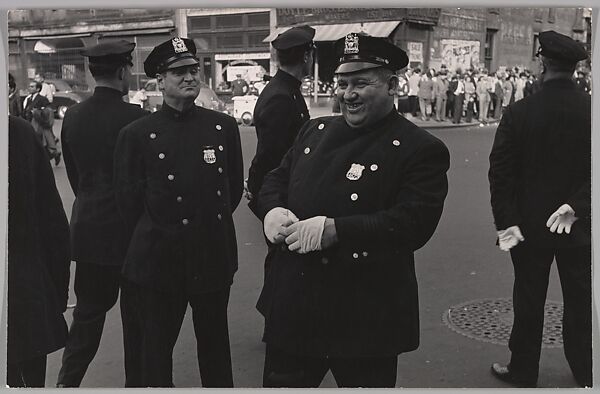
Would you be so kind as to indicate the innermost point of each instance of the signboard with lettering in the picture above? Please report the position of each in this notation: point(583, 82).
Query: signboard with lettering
point(460, 54)
point(415, 51)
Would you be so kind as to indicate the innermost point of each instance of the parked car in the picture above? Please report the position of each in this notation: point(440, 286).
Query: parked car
point(67, 93)
point(207, 98)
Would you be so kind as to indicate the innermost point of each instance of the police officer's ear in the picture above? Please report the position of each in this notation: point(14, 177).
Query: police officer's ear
point(392, 84)
point(160, 82)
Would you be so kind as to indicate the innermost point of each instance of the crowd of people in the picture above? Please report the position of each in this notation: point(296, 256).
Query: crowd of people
point(344, 202)
point(471, 94)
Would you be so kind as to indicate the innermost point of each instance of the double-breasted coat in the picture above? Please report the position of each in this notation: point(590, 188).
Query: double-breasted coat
point(38, 250)
point(541, 159)
point(89, 136)
point(385, 187)
point(178, 178)
point(279, 114)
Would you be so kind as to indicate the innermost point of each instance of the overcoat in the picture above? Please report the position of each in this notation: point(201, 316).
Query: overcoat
point(89, 135)
point(38, 249)
point(541, 159)
point(279, 114)
point(178, 178)
point(385, 187)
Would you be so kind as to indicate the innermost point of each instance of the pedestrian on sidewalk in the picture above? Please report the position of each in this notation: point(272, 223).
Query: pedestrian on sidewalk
point(439, 92)
point(483, 95)
point(36, 109)
point(459, 98)
point(351, 201)
point(413, 90)
point(470, 98)
point(425, 95)
point(89, 134)
point(178, 179)
point(38, 259)
point(279, 114)
point(540, 183)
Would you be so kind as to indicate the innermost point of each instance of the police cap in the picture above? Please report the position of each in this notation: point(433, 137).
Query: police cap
point(359, 51)
point(110, 52)
point(176, 52)
point(294, 37)
point(560, 47)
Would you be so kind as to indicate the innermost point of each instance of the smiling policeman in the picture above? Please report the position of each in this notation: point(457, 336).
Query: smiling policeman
point(351, 201)
point(179, 177)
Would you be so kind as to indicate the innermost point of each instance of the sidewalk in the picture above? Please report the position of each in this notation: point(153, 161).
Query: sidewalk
point(318, 111)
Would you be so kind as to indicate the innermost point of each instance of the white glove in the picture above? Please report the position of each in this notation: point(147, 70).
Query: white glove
point(562, 219)
point(305, 236)
point(509, 238)
point(276, 220)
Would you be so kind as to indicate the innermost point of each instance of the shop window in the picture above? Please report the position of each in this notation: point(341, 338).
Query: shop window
point(259, 19)
point(255, 39)
point(199, 23)
point(227, 41)
point(229, 21)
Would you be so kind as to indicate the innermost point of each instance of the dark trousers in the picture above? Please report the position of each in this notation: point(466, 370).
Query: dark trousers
point(161, 315)
point(28, 373)
point(413, 105)
point(458, 108)
point(286, 370)
point(532, 269)
point(97, 291)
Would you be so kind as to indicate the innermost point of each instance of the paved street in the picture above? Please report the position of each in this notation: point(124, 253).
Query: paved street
point(461, 263)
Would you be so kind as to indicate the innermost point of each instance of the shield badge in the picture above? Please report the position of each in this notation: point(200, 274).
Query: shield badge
point(351, 44)
point(209, 156)
point(178, 45)
point(355, 172)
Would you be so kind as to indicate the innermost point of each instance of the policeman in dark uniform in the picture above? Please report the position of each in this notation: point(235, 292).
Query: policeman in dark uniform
point(281, 110)
point(540, 182)
point(38, 259)
point(279, 114)
point(99, 242)
point(351, 201)
point(179, 177)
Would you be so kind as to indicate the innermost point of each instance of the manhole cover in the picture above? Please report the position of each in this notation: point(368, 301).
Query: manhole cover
point(490, 320)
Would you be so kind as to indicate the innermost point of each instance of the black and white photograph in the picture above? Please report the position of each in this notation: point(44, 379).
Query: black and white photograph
point(299, 197)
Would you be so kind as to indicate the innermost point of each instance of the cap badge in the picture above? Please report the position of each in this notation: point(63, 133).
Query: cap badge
point(351, 44)
point(209, 156)
point(178, 45)
point(355, 172)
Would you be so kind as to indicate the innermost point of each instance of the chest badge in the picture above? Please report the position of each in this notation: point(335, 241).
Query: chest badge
point(355, 172)
point(209, 156)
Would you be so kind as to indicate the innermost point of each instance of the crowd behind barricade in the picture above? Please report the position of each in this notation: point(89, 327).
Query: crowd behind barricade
point(472, 94)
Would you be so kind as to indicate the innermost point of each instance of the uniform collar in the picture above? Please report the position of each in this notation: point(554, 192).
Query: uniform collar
point(104, 91)
point(559, 83)
point(288, 78)
point(175, 114)
point(380, 124)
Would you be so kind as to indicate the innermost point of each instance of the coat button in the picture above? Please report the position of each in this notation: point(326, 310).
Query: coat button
point(219, 216)
point(152, 135)
point(374, 167)
point(396, 143)
point(321, 126)
point(306, 150)
point(324, 260)
point(179, 199)
point(221, 148)
point(171, 177)
point(365, 254)
point(219, 193)
point(185, 221)
point(161, 156)
point(355, 255)
point(218, 127)
point(220, 170)
point(354, 196)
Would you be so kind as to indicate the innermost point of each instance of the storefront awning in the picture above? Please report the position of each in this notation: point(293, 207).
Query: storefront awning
point(334, 32)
